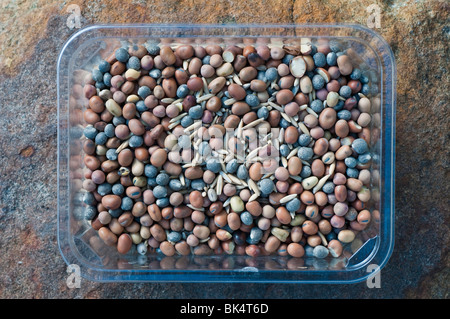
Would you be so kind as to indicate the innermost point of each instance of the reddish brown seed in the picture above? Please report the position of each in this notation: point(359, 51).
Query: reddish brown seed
point(252, 250)
point(196, 199)
point(108, 237)
point(96, 104)
point(195, 84)
point(295, 165)
point(124, 243)
point(111, 201)
point(236, 91)
point(341, 128)
point(344, 64)
point(291, 135)
point(327, 118)
point(309, 227)
point(167, 55)
point(295, 250)
point(167, 248)
point(158, 157)
point(283, 215)
point(284, 96)
point(234, 222)
point(272, 243)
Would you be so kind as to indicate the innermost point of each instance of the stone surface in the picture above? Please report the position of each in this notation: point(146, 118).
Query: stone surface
point(33, 32)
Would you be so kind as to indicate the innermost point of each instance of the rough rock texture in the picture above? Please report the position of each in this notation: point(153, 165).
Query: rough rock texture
point(33, 32)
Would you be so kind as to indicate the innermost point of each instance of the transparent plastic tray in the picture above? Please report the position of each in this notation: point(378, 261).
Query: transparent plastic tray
point(79, 244)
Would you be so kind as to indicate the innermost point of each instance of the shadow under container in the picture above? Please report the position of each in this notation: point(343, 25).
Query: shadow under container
point(79, 243)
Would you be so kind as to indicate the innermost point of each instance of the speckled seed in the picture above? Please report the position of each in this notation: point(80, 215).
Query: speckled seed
point(346, 236)
point(310, 182)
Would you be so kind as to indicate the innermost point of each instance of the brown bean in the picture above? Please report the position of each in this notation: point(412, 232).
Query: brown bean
point(185, 51)
point(309, 227)
point(111, 201)
point(158, 157)
point(234, 222)
point(295, 250)
point(167, 248)
point(321, 146)
point(195, 84)
point(272, 243)
point(236, 91)
point(296, 234)
point(354, 184)
point(108, 237)
point(258, 86)
point(295, 165)
point(284, 96)
point(196, 199)
point(341, 128)
point(167, 55)
point(318, 168)
point(124, 243)
point(232, 121)
point(283, 215)
point(240, 108)
point(335, 248)
point(343, 152)
point(201, 231)
point(91, 162)
point(248, 73)
point(216, 85)
point(344, 64)
point(158, 232)
point(327, 118)
point(291, 135)
point(214, 104)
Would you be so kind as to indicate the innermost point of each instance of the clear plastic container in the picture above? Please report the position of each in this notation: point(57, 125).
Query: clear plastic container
point(80, 245)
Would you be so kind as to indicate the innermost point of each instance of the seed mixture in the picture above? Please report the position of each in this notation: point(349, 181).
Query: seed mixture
point(249, 150)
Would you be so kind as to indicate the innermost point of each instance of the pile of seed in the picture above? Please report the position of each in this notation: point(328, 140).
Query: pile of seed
point(251, 149)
